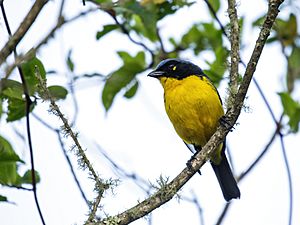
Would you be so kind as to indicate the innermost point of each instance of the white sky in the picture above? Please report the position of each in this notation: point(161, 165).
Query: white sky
point(137, 134)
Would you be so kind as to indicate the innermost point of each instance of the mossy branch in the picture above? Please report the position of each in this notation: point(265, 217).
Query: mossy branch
point(167, 192)
point(234, 53)
point(83, 161)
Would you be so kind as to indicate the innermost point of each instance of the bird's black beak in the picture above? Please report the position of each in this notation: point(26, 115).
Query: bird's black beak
point(156, 74)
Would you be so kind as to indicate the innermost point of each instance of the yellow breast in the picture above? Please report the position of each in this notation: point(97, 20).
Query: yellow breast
point(193, 106)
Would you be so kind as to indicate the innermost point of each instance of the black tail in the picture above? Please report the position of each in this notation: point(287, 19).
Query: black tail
point(226, 180)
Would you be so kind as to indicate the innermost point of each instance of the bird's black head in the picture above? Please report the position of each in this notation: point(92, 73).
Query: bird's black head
point(176, 68)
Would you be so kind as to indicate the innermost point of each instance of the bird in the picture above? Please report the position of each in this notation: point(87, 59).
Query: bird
point(195, 109)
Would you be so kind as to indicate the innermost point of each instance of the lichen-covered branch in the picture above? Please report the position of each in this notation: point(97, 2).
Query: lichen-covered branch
point(169, 190)
point(251, 66)
point(83, 161)
point(234, 53)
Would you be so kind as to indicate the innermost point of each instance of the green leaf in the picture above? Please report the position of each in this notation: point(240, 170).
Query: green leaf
point(286, 31)
point(170, 7)
point(213, 36)
point(122, 77)
point(8, 83)
point(139, 27)
point(8, 162)
point(218, 67)
point(142, 16)
point(106, 29)
point(193, 39)
point(3, 198)
point(1, 107)
point(215, 4)
point(132, 90)
point(148, 17)
point(8, 173)
point(202, 36)
point(291, 109)
point(27, 177)
point(11, 89)
point(138, 60)
point(17, 109)
point(13, 93)
point(57, 92)
point(271, 40)
point(293, 70)
point(7, 154)
point(103, 1)
point(173, 42)
point(70, 62)
point(29, 70)
point(241, 25)
point(259, 21)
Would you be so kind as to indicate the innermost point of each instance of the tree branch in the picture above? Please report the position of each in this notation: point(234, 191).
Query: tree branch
point(22, 30)
point(251, 66)
point(234, 53)
point(169, 190)
point(67, 158)
point(83, 161)
point(211, 9)
point(61, 21)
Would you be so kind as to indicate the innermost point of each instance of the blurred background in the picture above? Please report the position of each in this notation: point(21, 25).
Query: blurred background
point(97, 64)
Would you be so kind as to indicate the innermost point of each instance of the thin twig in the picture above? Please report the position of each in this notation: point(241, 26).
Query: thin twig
point(228, 151)
point(83, 160)
point(60, 22)
point(127, 33)
point(73, 96)
point(62, 146)
point(258, 87)
point(250, 168)
point(289, 176)
point(61, 8)
point(259, 157)
point(196, 202)
point(223, 214)
point(92, 75)
point(162, 46)
point(246, 172)
point(212, 10)
point(28, 103)
point(139, 181)
point(65, 154)
point(47, 125)
point(19, 187)
point(14, 40)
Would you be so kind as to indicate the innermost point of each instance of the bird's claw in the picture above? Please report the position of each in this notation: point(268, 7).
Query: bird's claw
point(225, 123)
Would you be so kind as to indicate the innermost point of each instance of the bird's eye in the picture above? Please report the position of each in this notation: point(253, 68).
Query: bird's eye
point(172, 67)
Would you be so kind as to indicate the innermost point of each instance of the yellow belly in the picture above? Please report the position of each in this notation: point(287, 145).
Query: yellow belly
point(193, 107)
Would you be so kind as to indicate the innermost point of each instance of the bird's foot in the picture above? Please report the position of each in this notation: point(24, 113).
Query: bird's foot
point(189, 163)
point(225, 123)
